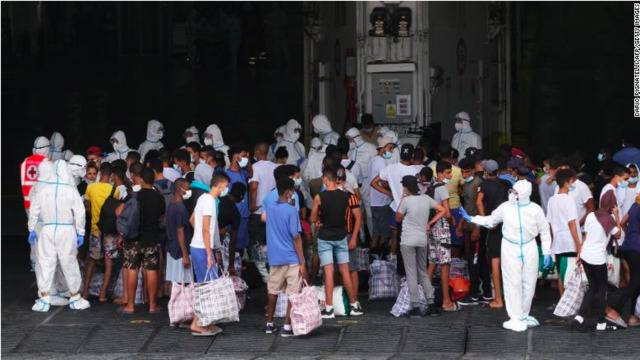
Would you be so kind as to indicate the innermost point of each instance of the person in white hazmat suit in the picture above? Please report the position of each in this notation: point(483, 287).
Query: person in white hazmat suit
point(465, 137)
point(77, 168)
point(213, 137)
point(278, 136)
point(313, 167)
point(522, 220)
point(57, 143)
point(290, 137)
point(120, 148)
point(191, 134)
point(395, 154)
point(155, 132)
point(362, 152)
point(322, 127)
point(58, 209)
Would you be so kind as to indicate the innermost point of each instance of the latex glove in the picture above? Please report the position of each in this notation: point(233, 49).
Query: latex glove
point(464, 214)
point(33, 238)
point(79, 240)
point(547, 261)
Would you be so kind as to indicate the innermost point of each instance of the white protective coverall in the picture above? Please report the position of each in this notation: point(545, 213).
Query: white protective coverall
point(77, 168)
point(155, 132)
point(322, 127)
point(120, 147)
point(213, 137)
point(522, 220)
point(57, 143)
point(57, 209)
point(313, 166)
point(290, 141)
point(278, 136)
point(395, 153)
point(464, 137)
point(362, 152)
point(191, 134)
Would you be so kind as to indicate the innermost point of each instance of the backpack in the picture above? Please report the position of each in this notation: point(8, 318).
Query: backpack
point(129, 221)
point(107, 220)
point(350, 166)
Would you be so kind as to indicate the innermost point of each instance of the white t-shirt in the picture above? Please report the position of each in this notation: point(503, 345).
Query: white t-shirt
point(355, 169)
point(376, 198)
point(206, 205)
point(546, 190)
point(605, 189)
point(171, 174)
point(580, 195)
point(352, 182)
point(560, 210)
point(416, 216)
point(122, 189)
point(594, 246)
point(393, 174)
point(440, 194)
point(263, 175)
point(629, 198)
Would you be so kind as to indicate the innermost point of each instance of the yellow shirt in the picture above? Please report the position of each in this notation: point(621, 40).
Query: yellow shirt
point(453, 186)
point(96, 195)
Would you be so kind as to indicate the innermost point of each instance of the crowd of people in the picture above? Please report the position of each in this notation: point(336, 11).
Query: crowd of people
point(173, 217)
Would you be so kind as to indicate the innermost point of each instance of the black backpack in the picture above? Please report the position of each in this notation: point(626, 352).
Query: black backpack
point(107, 220)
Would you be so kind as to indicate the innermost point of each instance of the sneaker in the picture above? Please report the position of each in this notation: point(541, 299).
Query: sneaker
point(41, 305)
point(356, 310)
point(415, 313)
point(486, 299)
point(605, 326)
point(286, 332)
point(78, 303)
point(327, 314)
point(468, 301)
point(270, 329)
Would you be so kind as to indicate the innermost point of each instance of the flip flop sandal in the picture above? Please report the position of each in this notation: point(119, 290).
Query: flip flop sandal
point(204, 333)
point(455, 308)
point(121, 310)
point(156, 311)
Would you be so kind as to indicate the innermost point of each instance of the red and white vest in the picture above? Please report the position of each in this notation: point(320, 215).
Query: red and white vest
point(29, 175)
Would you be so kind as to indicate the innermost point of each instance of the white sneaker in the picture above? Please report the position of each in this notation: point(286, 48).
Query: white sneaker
point(57, 300)
point(42, 304)
point(530, 321)
point(515, 325)
point(78, 303)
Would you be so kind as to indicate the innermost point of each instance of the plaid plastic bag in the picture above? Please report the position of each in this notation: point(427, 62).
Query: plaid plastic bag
point(305, 311)
point(240, 287)
point(237, 264)
point(458, 268)
point(118, 291)
point(96, 283)
point(383, 281)
point(362, 259)
point(571, 299)
point(402, 305)
point(180, 304)
point(281, 305)
point(214, 301)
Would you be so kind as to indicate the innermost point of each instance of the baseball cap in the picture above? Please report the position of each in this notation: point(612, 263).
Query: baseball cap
point(490, 165)
point(514, 163)
point(522, 170)
point(384, 141)
point(411, 183)
point(94, 150)
point(406, 152)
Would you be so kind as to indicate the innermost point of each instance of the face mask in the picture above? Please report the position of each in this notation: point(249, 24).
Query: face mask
point(469, 179)
point(352, 145)
point(176, 167)
point(572, 187)
point(136, 188)
point(297, 182)
point(224, 192)
point(458, 126)
point(507, 177)
point(601, 157)
point(513, 198)
point(192, 158)
point(367, 130)
point(445, 181)
point(345, 162)
point(208, 141)
point(623, 184)
point(323, 188)
point(633, 180)
point(546, 170)
point(244, 161)
point(387, 155)
point(187, 194)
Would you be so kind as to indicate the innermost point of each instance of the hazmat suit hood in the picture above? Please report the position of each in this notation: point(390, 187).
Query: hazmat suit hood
point(290, 133)
point(464, 137)
point(192, 135)
point(46, 173)
point(63, 174)
point(41, 146)
point(279, 133)
point(354, 133)
point(463, 122)
point(155, 131)
point(213, 136)
point(57, 143)
point(78, 167)
point(67, 155)
point(321, 124)
point(522, 190)
point(316, 144)
point(121, 141)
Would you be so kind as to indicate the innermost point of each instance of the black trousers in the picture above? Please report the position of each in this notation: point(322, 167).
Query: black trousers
point(631, 292)
point(596, 297)
point(479, 271)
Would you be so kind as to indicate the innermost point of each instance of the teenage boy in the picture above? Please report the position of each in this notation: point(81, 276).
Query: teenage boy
point(354, 222)
point(239, 171)
point(565, 228)
point(206, 241)
point(379, 201)
point(284, 246)
point(329, 215)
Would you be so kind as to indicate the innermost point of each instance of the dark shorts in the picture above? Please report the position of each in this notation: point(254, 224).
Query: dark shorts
point(137, 255)
point(381, 218)
point(494, 243)
point(257, 231)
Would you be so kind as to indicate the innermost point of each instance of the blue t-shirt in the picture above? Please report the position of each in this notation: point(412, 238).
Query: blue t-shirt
point(632, 237)
point(283, 225)
point(176, 217)
point(272, 197)
point(241, 176)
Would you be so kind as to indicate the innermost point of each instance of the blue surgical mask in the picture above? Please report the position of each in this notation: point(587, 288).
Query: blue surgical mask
point(623, 184)
point(572, 187)
point(244, 161)
point(507, 177)
point(468, 179)
point(323, 188)
point(387, 155)
point(600, 157)
point(224, 192)
point(176, 167)
point(633, 180)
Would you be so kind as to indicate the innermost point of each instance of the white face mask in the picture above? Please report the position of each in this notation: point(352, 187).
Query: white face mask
point(224, 192)
point(244, 161)
point(345, 162)
point(208, 141)
point(176, 167)
point(136, 188)
point(297, 182)
point(458, 126)
point(352, 145)
point(187, 194)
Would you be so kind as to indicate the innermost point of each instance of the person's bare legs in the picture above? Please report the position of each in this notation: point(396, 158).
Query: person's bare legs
point(151, 278)
point(393, 242)
point(271, 306)
point(132, 284)
point(108, 269)
point(496, 277)
point(355, 283)
point(560, 286)
point(328, 284)
point(431, 268)
point(444, 286)
point(88, 274)
point(346, 281)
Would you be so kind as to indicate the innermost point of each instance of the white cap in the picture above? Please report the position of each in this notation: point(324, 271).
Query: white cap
point(384, 141)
